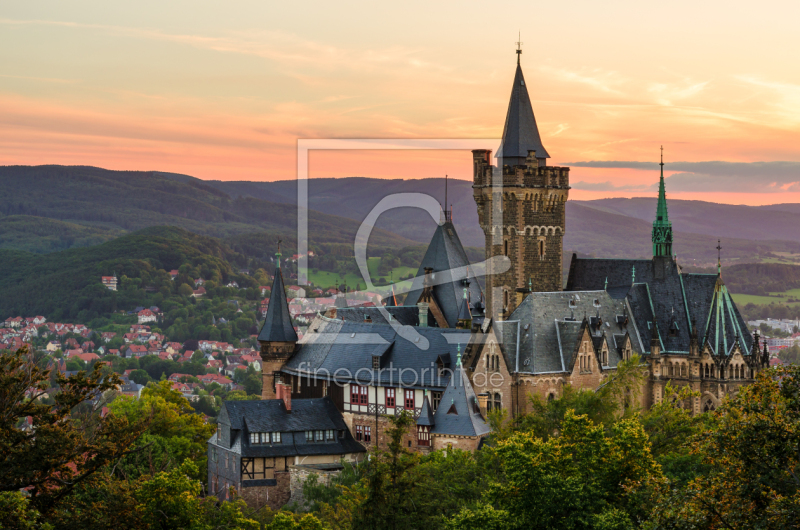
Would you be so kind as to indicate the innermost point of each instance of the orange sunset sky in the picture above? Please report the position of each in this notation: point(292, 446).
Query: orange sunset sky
point(223, 90)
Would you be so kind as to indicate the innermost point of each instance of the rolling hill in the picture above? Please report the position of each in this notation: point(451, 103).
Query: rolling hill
point(606, 227)
point(86, 205)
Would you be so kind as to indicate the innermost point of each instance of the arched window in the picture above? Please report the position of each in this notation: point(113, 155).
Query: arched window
point(541, 248)
point(708, 406)
point(505, 248)
point(551, 396)
point(498, 402)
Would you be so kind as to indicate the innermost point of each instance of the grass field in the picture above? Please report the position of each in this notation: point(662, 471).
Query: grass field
point(324, 279)
point(779, 298)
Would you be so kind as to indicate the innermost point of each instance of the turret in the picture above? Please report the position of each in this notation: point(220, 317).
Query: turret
point(521, 208)
point(278, 339)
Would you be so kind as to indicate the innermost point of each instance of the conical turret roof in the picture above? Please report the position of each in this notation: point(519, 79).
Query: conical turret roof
point(520, 133)
point(278, 324)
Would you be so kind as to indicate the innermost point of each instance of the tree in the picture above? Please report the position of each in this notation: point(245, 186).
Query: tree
point(185, 290)
point(174, 432)
point(388, 503)
point(171, 500)
point(69, 440)
point(596, 479)
point(139, 376)
point(751, 450)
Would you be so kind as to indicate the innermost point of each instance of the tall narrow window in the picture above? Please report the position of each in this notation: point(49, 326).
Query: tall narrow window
point(309, 436)
point(409, 399)
point(367, 433)
point(423, 435)
point(364, 395)
point(354, 394)
point(541, 248)
point(390, 397)
point(505, 248)
point(498, 402)
point(359, 433)
point(329, 436)
point(505, 298)
point(318, 435)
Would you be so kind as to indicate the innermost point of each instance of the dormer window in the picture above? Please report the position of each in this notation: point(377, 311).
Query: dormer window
point(376, 362)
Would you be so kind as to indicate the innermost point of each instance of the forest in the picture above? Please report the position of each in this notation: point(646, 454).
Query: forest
point(581, 461)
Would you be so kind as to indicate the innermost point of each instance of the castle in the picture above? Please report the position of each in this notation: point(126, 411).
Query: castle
point(451, 353)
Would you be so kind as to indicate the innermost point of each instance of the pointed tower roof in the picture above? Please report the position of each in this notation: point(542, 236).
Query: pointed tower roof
point(458, 412)
point(662, 227)
point(463, 311)
point(426, 414)
point(445, 253)
point(520, 133)
point(278, 323)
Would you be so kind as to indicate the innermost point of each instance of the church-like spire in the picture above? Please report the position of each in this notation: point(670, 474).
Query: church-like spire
point(662, 227)
point(520, 133)
point(278, 322)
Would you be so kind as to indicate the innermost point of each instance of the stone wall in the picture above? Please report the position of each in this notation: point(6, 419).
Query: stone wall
point(299, 474)
point(275, 497)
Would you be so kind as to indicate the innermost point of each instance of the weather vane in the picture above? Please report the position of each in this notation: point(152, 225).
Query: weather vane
point(519, 46)
point(662, 156)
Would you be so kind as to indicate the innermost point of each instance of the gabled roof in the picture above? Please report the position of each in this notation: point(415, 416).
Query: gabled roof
point(278, 322)
point(446, 256)
point(520, 132)
point(541, 333)
point(458, 413)
point(271, 416)
point(675, 302)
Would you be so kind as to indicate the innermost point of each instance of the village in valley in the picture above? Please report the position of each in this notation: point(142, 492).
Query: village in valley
point(355, 348)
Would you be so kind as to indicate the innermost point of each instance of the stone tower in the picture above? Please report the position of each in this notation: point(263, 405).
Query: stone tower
point(277, 338)
point(521, 204)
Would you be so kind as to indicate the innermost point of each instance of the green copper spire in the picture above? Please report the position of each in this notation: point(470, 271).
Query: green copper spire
point(662, 228)
point(278, 255)
point(458, 357)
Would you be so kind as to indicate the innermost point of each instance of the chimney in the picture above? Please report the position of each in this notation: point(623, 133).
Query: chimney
point(284, 392)
point(482, 399)
point(423, 314)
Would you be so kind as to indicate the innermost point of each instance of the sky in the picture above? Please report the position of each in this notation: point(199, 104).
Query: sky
point(224, 90)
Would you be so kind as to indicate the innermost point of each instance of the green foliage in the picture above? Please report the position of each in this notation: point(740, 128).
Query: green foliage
point(593, 477)
point(174, 432)
point(16, 512)
point(750, 447)
point(68, 442)
point(171, 500)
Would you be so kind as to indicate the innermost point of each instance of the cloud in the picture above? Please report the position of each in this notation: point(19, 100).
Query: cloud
point(748, 177)
point(609, 186)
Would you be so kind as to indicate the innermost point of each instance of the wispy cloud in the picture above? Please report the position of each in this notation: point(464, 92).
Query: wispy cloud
point(711, 176)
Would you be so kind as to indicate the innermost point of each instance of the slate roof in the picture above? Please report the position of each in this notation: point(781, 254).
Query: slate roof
point(520, 132)
point(541, 334)
point(405, 315)
point(271, 416)
point(278, 323)
point(677, 301)
point(426, 414)
point(446, 256)
point(343, 350)
point(458, 413)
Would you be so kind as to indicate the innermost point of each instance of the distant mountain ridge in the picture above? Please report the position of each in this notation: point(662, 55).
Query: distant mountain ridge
point(89, 205)
point(605, 227)
point(49, 208)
